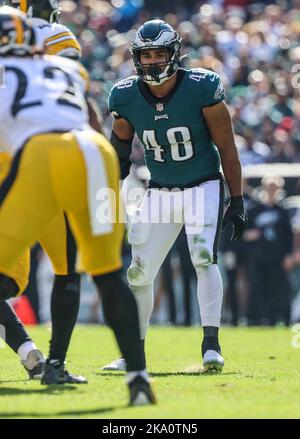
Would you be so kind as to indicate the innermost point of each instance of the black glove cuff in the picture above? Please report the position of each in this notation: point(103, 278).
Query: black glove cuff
point(237, 201)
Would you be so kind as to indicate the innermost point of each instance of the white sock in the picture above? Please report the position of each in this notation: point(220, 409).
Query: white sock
point(144, 298)
point(210, 295)
point(130, 376)
point(25, 348)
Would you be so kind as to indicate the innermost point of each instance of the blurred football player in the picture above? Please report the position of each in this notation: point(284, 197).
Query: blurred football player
point(55, 39)
point(184, 125)
point(59, 164)
point(58, 242)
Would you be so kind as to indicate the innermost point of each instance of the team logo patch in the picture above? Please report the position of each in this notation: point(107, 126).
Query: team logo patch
point(160, 107)
point(220, 91)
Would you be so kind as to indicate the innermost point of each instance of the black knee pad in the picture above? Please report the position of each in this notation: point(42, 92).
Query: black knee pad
point(8, 287)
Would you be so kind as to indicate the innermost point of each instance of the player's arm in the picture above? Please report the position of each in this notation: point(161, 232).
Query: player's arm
point(121, 138)
point(94, 113)
point(95, 116)
point(219, 123)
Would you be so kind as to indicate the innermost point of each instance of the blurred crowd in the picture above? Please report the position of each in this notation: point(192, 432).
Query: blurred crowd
point(254, 46)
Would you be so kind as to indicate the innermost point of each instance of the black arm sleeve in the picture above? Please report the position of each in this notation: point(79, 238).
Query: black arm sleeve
point(123, 149)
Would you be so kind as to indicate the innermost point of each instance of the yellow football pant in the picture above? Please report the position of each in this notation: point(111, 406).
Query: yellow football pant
point(49, 177)
point(21, 268)
point(57, 242)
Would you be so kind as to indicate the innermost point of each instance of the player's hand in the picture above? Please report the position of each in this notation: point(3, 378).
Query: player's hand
point(236, 214)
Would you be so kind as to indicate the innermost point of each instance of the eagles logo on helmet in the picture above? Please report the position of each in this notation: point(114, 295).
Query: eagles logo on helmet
point(156, 34)
point(48, 10)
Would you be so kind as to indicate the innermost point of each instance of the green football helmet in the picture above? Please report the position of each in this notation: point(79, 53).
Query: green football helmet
point(156, 34)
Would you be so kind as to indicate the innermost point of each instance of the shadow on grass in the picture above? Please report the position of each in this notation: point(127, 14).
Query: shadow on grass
point(110, 374)
point(170, 374)
point(10, 391)
point(73, 414)
point(13, 381)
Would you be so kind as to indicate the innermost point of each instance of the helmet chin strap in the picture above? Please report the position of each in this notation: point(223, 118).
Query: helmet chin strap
point(154, 72)
point(154, 83)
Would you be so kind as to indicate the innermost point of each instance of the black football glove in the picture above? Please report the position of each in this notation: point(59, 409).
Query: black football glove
point(236, 214)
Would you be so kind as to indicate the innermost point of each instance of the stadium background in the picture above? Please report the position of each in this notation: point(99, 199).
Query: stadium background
point(254, 46)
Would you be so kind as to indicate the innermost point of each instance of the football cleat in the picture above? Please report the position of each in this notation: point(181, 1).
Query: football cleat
point(213, 361)
point(55, 373)
point(119, 364)
point(140, 392)
point(34, 364)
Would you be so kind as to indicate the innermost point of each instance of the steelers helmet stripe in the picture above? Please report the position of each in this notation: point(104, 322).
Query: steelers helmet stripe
point(72, 41)
point(60, 35)
point(23, 6)
point(19, 29)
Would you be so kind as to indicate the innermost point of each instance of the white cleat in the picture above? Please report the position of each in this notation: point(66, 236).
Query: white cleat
point(119, 364)
point(34, 364)
point(213, 361)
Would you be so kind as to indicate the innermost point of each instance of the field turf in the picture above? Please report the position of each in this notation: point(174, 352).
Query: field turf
point(261, 378)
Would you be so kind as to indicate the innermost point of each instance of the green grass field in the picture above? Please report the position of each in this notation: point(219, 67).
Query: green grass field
point(261, 378)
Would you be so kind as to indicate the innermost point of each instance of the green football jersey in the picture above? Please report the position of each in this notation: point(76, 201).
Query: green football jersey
point(179, 150)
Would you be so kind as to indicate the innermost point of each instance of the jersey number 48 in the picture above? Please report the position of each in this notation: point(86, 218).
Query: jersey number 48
point(180, 141)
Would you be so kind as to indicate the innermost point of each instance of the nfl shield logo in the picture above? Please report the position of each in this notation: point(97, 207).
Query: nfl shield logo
point(160, 107)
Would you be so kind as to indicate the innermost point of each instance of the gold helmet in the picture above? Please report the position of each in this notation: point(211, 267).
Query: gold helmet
point(16, 34)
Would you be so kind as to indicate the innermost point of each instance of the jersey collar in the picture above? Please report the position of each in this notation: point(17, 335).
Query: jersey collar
point(153, 100)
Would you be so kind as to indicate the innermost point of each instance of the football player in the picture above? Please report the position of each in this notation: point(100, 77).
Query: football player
point(51, 37)
point(54, 39)
point(186, 130)
point(59, 164)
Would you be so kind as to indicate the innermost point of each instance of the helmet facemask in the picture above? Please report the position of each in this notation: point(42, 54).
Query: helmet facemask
point(157, 73)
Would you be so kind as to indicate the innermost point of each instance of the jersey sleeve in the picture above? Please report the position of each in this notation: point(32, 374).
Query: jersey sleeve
point(62, 43)
point(112, 104)
point(120, 96)
point(214, 90)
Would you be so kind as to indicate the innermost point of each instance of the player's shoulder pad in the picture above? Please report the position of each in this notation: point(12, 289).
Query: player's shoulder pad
point(60, 40)
point(57, 28)
point(207, 84)
point(122, 93)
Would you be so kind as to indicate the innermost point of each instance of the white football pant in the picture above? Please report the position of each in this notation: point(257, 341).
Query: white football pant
point(155, 227)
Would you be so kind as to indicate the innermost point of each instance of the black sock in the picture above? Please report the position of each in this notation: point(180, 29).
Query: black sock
point(143, 350)
point(64, 310)
point(8, 287)
point(121, 314)
point(211, 339)
point(15, 334)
